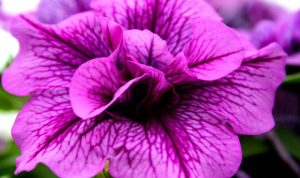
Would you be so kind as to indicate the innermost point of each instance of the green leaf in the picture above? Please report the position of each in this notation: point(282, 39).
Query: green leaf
point(291, 141)
point(252, 146)
point(293, 78)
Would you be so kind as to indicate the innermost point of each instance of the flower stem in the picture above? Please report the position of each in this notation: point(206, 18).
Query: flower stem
point(283, 153)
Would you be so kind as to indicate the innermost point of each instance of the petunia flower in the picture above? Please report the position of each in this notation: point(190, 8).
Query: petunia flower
point(54, 11)
point(161, 94)
point(284, 31)
point(246, 14)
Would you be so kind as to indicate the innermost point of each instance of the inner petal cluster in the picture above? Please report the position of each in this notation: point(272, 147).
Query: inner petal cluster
point(130, 82)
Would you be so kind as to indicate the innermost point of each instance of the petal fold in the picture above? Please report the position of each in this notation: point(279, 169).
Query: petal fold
point(96, 85)
point(147, 48)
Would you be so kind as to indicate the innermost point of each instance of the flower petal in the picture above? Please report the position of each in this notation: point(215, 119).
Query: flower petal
point(96, 85)
point(147, 48)
point(62, 8)
point(175, 146)
point(50, 54)
point(214, 51)
point(48, 132)
point(244, 99)
point(170, 19)
point(155, 80)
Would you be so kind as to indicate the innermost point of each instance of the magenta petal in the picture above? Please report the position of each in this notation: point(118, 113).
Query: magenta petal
point(175, 146)
point(170, 19)
point(244, 99)
point(147, 48)
point(48, 132)
point(49, 55)
point(96, 85)
point(214, 51)
point(178, 72)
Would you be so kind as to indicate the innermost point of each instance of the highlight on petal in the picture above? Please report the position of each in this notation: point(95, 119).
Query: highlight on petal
point(48, 132)
point(147, 48)
point(170, 19)
point(62, 8)
point(96, 85)
point(49, 55)
point(176, 145)
point(214, 51)
point(243, 99)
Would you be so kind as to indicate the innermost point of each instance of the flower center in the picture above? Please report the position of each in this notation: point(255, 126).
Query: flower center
point(137, 103)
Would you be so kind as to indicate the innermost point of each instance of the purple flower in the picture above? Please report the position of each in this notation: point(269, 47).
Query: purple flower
point(247, 13)
point(163, 93)
point(284, 31)
point(54, 11)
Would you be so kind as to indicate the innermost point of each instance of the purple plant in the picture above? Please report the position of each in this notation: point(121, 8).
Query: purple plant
point(54, 11)
point(284, 31)
point(246, 14)
point(158, 88)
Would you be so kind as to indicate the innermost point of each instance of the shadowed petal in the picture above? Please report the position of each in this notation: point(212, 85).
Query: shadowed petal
point(62, 8)
point(176, 146)
point(214, 51)
point(155, 80)
point(170, 19)
point(243, 99)
point(47, 131)
point(96, 85)
point(49, 55)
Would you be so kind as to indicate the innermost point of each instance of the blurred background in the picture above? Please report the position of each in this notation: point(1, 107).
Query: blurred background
point(275, 154)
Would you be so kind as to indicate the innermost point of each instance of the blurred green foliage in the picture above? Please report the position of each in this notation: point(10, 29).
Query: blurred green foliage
point(10, 102)
point(252, 146)
point(7, 165)
point(293, 78)
point(291, 141)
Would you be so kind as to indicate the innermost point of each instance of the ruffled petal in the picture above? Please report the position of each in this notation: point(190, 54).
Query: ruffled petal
point(170, 19)
point(155, 81)
point(147, 48)
point(50, 55)
point(48, 132)
point(96, 85)
point(214, 51)
point(244, 99)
